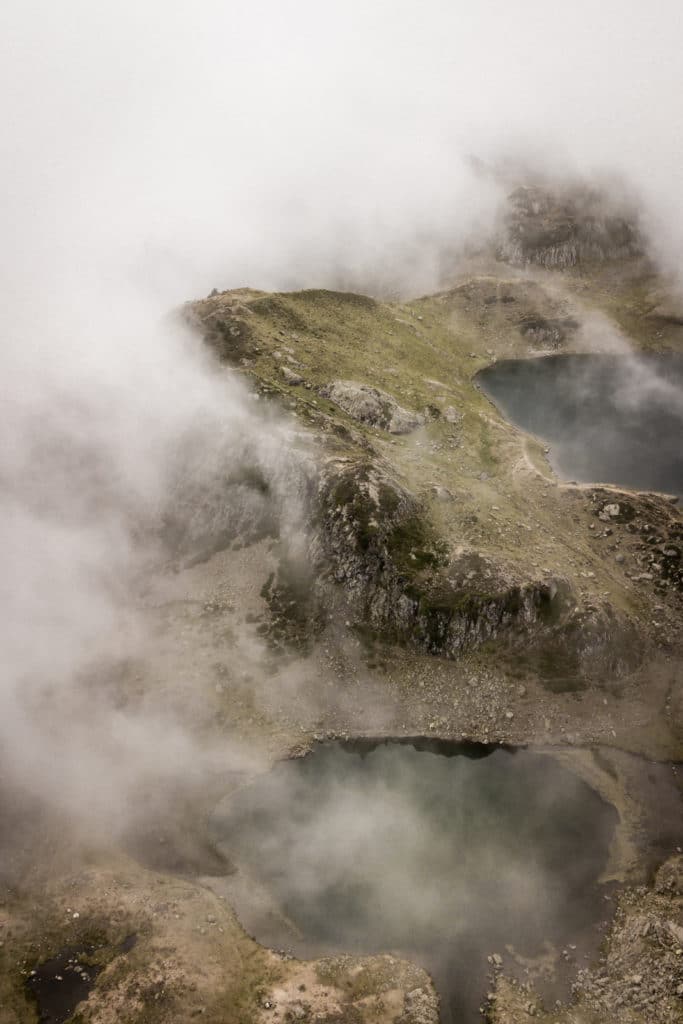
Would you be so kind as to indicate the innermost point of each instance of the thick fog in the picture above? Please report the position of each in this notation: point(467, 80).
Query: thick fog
point(151, 152)
point(174, 149)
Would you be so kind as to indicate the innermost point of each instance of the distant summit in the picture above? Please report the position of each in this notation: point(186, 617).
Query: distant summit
point(563, 227)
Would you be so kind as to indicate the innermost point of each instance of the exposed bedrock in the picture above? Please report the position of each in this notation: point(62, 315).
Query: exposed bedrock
point(372, 406)
point(402, 583)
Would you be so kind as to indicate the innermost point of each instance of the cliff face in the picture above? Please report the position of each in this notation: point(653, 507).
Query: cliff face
point(403, 582)
point(564, 228)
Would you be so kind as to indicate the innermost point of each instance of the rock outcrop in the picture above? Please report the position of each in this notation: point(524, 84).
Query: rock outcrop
point(545, 333)
point(372, 406)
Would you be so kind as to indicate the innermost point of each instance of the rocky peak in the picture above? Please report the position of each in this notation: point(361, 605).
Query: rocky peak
point(563, 226)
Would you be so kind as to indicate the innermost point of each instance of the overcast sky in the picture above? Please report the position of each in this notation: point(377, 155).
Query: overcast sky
point(186, 145)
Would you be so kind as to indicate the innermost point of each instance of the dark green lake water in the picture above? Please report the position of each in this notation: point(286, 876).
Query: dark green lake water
point(441, 853)
point(609, 419)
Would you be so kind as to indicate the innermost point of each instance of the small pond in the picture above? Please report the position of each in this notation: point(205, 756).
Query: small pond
point(442, 853)
point(609, 419)
point(58, 985)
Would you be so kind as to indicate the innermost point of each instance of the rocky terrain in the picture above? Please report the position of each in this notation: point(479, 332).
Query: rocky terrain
point(440, 581)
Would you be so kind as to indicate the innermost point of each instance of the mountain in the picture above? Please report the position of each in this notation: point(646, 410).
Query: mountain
point(412, 566)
